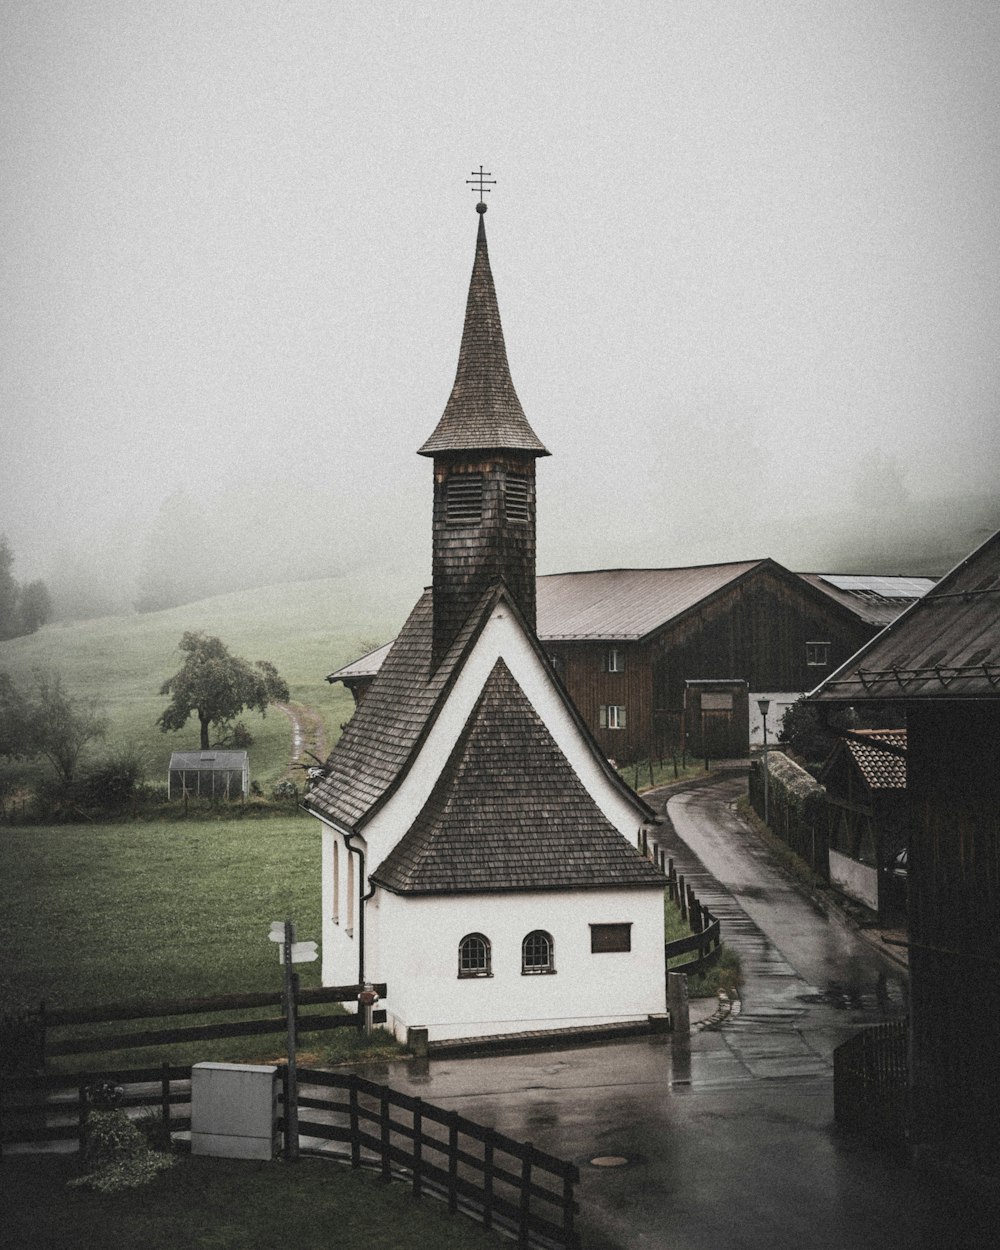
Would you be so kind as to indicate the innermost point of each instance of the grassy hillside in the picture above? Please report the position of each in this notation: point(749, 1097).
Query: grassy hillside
point(306, 628)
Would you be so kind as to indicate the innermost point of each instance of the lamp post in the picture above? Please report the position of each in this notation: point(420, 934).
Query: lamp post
point(764, 704)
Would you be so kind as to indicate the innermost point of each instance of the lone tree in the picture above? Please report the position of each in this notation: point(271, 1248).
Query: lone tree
point(217, 686)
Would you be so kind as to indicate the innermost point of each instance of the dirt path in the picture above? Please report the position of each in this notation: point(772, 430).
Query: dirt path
point(308, 738)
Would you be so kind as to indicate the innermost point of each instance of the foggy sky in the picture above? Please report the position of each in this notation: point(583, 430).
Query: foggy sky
point(746, 256)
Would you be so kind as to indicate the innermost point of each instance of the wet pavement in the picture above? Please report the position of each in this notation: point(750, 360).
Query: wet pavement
point(728, 1136)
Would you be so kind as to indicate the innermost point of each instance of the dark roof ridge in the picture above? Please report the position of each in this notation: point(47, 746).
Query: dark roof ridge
point(662, 568)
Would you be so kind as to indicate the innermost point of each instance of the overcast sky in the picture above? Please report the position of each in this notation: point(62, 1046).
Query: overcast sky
point(746, 254)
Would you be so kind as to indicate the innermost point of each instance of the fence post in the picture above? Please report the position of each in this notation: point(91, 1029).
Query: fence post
point(165, 1102)
point(384, 1133)
point(453, 1162)
point(488, 1180)
point(677, 1001)
point(525, 1196)
point(418, 1135)
point(568, 1222)
point(355, 1138)
point(82, 1112)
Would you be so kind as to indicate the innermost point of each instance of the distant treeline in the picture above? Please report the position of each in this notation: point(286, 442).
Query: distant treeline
point(22, 608)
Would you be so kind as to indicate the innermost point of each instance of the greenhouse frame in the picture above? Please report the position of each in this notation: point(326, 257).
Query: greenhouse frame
point(208, 775)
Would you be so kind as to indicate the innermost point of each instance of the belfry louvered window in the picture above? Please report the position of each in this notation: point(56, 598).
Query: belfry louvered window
point(517, 497)
point(464, 499)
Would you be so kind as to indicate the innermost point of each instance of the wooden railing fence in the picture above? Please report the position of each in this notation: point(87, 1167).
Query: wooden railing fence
point(28, 1038)
point(706, 935)
point(504, 1182)
point(870, 1083)
point(54, 1108)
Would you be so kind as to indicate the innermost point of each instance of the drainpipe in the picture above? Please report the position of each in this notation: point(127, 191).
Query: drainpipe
point(363, 898)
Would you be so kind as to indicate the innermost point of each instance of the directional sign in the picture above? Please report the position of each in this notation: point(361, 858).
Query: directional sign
point(277, 933)
point(302, 953)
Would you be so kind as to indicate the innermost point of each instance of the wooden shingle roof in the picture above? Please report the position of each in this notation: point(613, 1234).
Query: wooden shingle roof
point(483, 410)
point(509, 813)
point(382, 734)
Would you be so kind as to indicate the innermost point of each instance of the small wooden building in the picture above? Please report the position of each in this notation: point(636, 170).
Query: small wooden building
point(941, 662)
point(208, 775)
point(865, 781)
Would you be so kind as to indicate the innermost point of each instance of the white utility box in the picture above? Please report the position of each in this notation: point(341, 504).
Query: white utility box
point(234, 1110)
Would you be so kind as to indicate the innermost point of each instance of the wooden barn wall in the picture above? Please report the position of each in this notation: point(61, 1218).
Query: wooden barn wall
point(953, 773)
point(579, 664)
point(757, 631)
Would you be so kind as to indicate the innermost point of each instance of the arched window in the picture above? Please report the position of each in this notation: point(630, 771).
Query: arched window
point(537, 953)
point(474, 956)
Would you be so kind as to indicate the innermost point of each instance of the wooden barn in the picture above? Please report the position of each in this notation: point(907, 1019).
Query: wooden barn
point(636, 647)
point(941, 662)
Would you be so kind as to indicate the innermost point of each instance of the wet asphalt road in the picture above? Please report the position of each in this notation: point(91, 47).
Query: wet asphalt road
point(729, 1136)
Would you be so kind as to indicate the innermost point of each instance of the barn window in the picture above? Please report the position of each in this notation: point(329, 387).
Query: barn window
point(605, 938)
point(817, 654)
point(613, 660)
point(537, 953)
point(612, 716)
point(474, 956)
point(517, 497)
point(464, 499)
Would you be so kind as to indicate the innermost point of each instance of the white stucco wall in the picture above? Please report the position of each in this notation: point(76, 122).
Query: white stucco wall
point(339, 950)
point(412, 943)
point(418, 940)
point(857, 880)
point(781, 701)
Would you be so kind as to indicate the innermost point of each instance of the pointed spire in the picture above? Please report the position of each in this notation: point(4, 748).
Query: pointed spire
point(483, 410)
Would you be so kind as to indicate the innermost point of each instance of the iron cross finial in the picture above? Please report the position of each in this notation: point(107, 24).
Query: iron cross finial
point(478, 183)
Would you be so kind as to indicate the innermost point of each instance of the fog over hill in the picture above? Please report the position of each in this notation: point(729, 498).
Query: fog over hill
point(747, 259)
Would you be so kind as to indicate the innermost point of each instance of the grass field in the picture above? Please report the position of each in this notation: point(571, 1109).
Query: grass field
point(226, 1204)
point(306, 628)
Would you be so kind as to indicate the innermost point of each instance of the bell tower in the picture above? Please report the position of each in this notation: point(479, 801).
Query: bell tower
point(484, 454)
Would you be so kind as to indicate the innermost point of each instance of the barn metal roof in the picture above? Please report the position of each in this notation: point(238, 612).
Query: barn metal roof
point(946, 646)
point(625, 604)
point(208, 761)
point(876, 598)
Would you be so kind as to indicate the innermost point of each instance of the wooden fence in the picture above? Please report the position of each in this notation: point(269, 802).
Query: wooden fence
point(706, 935)
point(31, 1036)
point(504, 1182)
point(870, 1083)
point(54, 1108)
point(501, 1181)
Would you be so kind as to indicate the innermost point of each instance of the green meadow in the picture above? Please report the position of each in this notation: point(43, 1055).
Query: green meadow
point(307, 629)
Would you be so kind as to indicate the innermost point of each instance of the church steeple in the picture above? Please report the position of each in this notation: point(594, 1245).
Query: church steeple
point(484, 454)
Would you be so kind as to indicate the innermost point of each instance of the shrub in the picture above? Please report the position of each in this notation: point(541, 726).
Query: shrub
point(118, 1151)
point(285, 791)
point(115, 782)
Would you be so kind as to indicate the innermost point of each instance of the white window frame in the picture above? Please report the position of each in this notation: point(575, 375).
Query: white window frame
point(614, 660)
point(469, 972)
point(612, 716)
point(818, 663)
point(538, 937)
